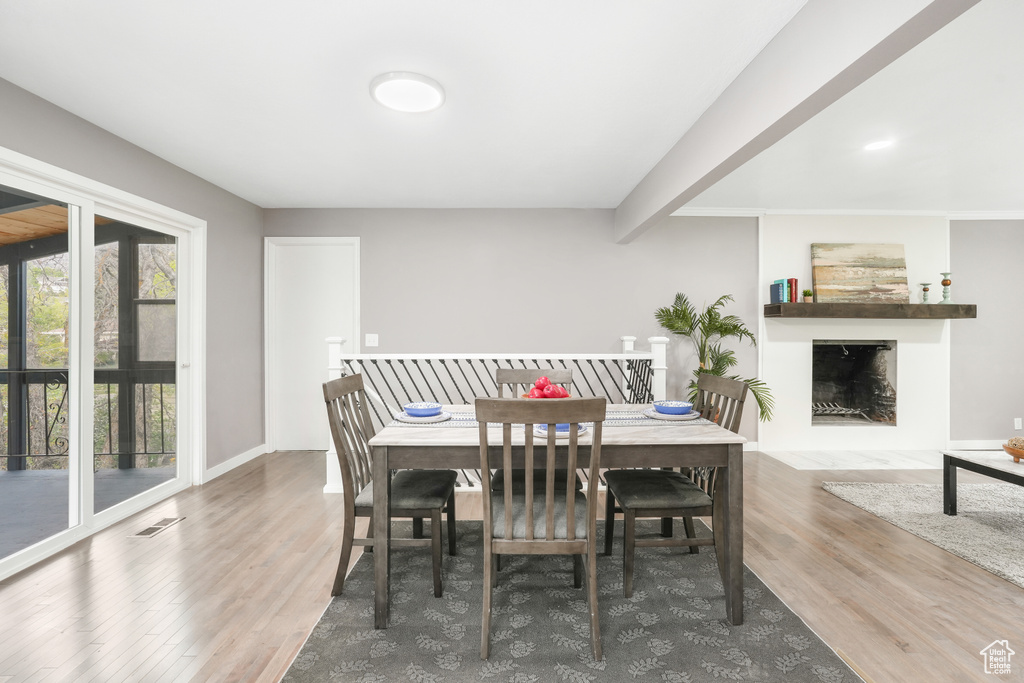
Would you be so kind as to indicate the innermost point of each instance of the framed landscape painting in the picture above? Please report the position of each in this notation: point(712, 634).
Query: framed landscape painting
point(859, 273)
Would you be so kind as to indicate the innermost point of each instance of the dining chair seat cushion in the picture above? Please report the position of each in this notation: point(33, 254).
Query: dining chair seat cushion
point(539, 481)
point(654, 489)
point(539, 532)
point(414, 489)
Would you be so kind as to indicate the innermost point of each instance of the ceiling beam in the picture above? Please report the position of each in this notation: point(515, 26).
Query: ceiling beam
point(828, 49)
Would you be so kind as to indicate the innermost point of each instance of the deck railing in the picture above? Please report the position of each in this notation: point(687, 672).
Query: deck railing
point(393, 380)
point(42, 428)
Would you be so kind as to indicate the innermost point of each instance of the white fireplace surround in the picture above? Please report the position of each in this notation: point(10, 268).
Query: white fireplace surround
point(923, 346)
point(922, 367)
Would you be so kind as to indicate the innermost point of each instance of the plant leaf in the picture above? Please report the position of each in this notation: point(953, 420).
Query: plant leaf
point(706, 330)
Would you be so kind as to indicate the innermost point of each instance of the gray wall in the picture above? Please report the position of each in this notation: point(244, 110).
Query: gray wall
point(535, 280)
point(36, 128)
point(987, 364)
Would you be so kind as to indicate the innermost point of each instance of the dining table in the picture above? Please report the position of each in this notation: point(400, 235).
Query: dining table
point(630, 438)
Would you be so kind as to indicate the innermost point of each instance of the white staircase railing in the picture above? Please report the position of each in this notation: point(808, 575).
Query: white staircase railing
point(393, 380)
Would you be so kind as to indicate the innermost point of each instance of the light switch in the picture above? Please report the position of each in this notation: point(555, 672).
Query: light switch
point(371, 340)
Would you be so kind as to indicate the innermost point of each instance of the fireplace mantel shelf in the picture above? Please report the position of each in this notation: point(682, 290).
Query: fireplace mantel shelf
point(892, 311)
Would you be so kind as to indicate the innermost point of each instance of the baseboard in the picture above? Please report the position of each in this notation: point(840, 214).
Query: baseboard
point(232, 463)
point(979, 445)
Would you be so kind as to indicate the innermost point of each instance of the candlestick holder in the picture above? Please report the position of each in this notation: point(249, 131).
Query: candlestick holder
point(946, 282)
point(924, 291)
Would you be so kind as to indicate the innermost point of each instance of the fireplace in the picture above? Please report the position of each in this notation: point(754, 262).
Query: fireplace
point(853, 382)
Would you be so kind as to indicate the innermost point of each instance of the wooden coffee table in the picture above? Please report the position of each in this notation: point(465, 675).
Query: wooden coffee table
point(996, 464)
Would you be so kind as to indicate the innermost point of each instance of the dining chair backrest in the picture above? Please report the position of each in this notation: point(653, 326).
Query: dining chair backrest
point(507, 412)
point(720, 400)
point(520, 380)
point(351, 430)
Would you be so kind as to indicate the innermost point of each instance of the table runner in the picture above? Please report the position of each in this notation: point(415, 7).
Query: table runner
point(614, 418)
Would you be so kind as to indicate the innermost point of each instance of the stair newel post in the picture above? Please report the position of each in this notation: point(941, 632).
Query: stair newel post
point(659, 366)
point(334, 371)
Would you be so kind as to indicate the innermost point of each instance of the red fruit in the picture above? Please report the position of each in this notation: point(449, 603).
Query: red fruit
point(551, 391)
point(542, 382)
point(562, 393)
point(536, 393)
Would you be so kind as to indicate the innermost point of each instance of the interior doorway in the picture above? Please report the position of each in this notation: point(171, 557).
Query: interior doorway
point(312, 293)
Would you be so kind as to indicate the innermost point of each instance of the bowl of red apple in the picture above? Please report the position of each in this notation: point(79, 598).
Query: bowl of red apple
point(543, 388)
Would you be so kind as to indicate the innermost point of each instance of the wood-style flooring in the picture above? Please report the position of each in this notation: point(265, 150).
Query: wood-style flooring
point(231, 592)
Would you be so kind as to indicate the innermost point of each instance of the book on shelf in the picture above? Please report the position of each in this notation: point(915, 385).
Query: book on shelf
point(777, 291)
point(793, 291)
point(785, 290)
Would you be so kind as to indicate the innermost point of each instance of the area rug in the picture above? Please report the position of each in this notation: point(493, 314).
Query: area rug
point(987, 530)
point(673, 628)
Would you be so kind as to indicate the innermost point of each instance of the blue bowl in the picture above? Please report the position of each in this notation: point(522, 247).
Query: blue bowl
point(561, 428)
point(673, 407)
point(422, 409)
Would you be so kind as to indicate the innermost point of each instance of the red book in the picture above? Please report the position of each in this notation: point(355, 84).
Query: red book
point(792, 290)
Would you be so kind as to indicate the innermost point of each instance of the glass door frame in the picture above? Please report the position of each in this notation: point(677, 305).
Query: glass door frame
point(86, 199)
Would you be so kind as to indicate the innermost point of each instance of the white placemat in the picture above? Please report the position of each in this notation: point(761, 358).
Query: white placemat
point(614, 418)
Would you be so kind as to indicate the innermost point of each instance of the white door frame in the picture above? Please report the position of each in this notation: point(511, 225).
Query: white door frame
point(271, 245)
point(21, 171)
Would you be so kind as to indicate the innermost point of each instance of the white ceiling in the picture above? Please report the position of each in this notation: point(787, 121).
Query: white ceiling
point(549, 104)
point(953, 108)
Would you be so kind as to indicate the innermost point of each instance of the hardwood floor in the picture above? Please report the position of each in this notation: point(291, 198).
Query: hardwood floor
point(898, 607)
point(231, 592)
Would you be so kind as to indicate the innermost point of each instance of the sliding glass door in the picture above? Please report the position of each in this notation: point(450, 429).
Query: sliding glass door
point(135, 348)
point(35, 323)
point(96, 403)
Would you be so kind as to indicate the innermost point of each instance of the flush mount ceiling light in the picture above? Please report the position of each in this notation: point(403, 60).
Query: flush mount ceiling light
point(878, 144)
point(408, 92)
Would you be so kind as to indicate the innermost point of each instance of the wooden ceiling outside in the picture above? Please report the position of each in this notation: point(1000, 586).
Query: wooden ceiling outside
point(31, 224)
point(35, 223)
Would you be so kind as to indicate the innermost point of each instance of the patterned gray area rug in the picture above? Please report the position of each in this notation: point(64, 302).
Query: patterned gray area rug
point(987, 530)
point(673, 628)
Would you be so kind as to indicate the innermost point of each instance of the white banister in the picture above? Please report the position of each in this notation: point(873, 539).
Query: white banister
point(659, 365)
point(334, 369)
point(392, 379)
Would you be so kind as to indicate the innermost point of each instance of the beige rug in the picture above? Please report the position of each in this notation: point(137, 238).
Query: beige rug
point(988, 529)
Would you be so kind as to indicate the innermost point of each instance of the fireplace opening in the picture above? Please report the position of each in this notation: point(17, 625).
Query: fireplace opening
point(853, 382)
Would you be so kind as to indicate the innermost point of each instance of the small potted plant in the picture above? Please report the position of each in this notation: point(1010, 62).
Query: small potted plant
point(808, 296)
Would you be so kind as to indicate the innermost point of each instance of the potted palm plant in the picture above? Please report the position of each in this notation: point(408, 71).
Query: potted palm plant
point(706, 330)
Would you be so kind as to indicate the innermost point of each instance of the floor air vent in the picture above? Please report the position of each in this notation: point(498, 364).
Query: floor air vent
point(151, 531)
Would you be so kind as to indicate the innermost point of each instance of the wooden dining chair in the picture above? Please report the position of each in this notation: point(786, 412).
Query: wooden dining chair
point(417, 494)
point(647, 493)
point(547, 520)
point(520, 380)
